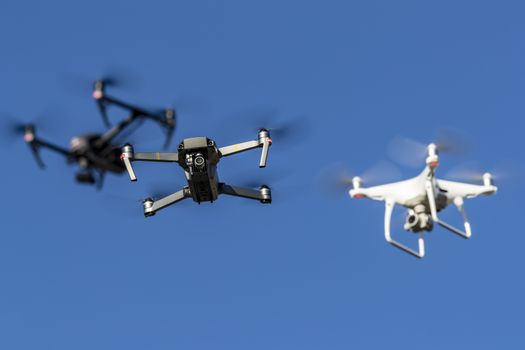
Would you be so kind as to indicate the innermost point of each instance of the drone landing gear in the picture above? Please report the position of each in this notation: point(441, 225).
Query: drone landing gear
point(458, 201)
point(264, 194)
point(420, 253)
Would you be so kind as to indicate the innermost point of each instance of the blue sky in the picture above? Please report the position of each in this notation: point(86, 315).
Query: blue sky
point(83, 269)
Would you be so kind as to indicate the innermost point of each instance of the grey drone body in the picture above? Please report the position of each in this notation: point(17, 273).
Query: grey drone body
point(199, 157)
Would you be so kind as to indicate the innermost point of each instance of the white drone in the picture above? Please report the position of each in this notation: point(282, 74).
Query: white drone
point(424, 196)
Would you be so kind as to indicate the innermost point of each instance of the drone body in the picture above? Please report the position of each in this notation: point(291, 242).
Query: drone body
point(199, 157)
point(97, 154)
point(424, 196)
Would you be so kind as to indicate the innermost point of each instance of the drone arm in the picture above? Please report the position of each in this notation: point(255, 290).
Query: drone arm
point(239, 147)
point(263, 141)
point(114, 131)
point(151, 207)
point(128, 155)
point(35, 143)
point(389, 207)
point(263, 195)
point(458, 201)
point(55, 148)
point(103, 100)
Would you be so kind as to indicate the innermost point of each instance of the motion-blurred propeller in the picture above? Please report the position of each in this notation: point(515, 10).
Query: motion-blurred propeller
point(336, 180)
point(412, 153)
point(504, 172)
point(113, 77)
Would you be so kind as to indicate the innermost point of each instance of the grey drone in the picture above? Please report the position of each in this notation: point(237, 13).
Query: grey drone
point(199, 157)
point(424, 196)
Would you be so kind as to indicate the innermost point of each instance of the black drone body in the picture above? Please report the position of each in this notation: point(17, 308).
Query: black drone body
point(199, 157)
point(97, 154)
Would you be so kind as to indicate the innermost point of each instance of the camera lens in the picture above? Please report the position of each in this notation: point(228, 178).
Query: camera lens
point(199, 161)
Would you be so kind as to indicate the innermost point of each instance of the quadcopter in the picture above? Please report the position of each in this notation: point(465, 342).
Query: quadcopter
point(424, 196)
point(199, 157)
point(97, 154)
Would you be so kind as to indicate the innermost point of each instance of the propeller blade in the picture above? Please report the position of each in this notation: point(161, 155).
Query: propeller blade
point(473, 172)
point(412, 153)
point(337, 179)
point(113, 76)
point(283, 129)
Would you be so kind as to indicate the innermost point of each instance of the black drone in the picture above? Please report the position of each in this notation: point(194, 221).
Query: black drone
point(97, 154)
point(199, 156)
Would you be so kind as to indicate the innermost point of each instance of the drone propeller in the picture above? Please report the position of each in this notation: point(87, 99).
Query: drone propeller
point(11, 127)
point(112, 77)
point(283, 130)
point(337, 179)
point(412, 153)
point(473, 172)
point(28, 132)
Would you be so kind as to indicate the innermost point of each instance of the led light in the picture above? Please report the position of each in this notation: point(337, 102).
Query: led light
point(97, 94)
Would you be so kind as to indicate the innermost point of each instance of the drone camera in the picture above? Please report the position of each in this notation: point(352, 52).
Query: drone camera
point(199, 161)
point(266, 194)
point(418, 220)
point(85, 177)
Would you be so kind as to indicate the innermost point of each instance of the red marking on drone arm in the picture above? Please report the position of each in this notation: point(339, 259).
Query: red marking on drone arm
point(359, 196)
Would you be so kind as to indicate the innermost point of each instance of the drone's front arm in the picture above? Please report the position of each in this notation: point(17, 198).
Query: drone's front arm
point(128, 155)
point(264, 141)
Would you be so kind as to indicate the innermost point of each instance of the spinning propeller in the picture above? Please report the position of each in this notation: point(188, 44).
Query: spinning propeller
point(412, 153)
point(337, 179)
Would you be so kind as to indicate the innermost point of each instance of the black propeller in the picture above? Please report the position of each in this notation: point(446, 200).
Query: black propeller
point(284, 130)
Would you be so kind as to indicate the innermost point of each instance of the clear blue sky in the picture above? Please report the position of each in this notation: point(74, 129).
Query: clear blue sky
point(81, 269)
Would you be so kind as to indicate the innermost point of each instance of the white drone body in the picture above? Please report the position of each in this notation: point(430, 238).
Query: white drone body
point(424, 196)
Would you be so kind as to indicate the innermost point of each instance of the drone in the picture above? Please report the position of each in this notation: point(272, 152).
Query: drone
point(199, 157)
point(424, 196)
point(96, 154)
